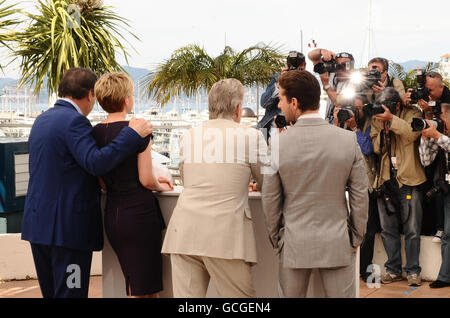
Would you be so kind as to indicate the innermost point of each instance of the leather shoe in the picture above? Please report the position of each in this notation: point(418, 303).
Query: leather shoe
point(439, 284)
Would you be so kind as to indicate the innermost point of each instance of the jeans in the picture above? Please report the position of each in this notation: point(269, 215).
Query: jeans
point(410, 219)
point(444, 273)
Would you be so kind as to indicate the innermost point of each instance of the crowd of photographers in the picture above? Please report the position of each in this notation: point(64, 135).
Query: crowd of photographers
point(403, 136)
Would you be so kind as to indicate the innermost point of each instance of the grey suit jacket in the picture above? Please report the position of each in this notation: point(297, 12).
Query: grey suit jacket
point(304, 202)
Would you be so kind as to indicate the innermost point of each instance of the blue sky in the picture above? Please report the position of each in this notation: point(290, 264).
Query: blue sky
point(402, 30)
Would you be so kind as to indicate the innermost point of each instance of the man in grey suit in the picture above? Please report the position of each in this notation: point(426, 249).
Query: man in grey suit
point(309, 221)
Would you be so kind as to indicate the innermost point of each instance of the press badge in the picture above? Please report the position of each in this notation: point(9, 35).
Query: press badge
point(394, 162)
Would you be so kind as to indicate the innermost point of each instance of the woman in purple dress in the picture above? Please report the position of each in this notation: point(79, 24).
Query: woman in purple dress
point(133, 219)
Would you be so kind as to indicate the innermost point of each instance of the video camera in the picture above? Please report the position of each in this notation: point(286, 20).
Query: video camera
point(421, 92)
point(295, 60)
point(371, 110)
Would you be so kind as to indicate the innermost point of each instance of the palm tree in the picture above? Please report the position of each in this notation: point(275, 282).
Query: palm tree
point(5, 23)
point(190, 69)
point(66, 34)
point(408, 78)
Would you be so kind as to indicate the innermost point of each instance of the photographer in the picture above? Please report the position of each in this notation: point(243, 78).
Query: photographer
point(269, 99)
point(436, 91)
point(377, 79)
point(353, 119)
point(429, 95)
point(399, 173)
point(335, 71)
point(361, 125)
point(435, 146)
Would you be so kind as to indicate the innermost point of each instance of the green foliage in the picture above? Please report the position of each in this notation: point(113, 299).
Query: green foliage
point(190, 69)
point(408, 78)
point(6, 22)
point(66, 34)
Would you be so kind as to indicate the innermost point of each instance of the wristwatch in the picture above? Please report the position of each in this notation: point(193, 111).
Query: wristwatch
point(327, 87)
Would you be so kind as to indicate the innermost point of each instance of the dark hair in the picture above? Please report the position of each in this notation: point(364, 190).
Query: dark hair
point(295, 59)
point(77, 83)
point(362, 97)
point(389, 94)
point(303, 86)
point(381, 60)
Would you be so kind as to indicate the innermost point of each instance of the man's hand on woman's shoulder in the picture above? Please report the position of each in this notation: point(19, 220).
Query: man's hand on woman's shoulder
point(141, 126)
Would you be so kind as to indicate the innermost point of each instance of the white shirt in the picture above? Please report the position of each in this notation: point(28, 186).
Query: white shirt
point(73, 104)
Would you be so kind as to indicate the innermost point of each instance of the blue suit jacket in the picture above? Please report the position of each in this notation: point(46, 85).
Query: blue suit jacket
point(62, 207)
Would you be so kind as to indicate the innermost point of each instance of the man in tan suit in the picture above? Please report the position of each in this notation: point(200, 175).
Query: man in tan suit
point(210, 234)
point(304, 202)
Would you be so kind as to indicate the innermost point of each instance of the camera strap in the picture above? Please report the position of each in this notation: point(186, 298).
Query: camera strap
point(380, 158)
point(392, 170)
point(385, 140)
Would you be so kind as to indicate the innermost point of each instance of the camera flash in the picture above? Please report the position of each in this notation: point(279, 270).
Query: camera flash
point(348, 93)
point(356, 78)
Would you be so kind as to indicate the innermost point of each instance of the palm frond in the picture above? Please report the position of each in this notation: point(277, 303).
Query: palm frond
point(6, 22)
point(190, 69)
point(57, 39)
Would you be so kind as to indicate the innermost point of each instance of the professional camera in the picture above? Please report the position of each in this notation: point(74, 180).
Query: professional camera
point(346, 113)
point(371, 110)
point(441, 187)
point(371, 78)
point(295, 60)
point(421, 124)
point(280, 121)
point(421, 92)
point(332, 67)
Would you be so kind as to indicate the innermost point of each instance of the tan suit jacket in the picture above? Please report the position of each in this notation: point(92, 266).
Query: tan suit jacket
point(304, 202)
point(404, 146)
point(212, 216)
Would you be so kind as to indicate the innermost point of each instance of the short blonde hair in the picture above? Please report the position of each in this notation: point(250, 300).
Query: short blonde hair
point(224, 97)
point(112, 89)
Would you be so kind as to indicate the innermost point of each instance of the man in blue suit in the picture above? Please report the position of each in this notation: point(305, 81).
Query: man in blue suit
point(62, 217)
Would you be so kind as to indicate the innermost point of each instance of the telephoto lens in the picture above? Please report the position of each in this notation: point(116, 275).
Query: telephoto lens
point(421, 124)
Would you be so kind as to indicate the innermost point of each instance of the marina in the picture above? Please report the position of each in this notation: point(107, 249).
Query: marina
point(173, 61)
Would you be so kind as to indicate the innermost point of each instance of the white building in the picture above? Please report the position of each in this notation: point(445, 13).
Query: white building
point(444, 66)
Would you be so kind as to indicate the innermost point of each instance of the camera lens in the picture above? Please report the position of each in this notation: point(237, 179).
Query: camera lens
point(280, 121)
point(418, 124)
point(319, 68)
point(344, 115)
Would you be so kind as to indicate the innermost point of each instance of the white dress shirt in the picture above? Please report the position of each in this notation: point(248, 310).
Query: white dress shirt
point(73, 104)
